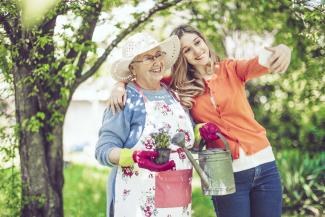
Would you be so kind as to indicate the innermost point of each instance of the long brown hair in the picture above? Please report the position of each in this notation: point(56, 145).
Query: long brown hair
point(186, 81)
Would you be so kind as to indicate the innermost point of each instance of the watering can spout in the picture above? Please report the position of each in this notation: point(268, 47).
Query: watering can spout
point(179, 140)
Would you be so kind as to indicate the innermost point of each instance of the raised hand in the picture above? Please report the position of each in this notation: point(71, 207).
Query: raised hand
point(280, 58)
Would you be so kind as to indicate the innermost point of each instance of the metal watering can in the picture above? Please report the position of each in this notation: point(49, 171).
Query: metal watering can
point(214, 168)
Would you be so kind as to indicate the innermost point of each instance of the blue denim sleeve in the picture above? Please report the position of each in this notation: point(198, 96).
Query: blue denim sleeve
point(113, 134)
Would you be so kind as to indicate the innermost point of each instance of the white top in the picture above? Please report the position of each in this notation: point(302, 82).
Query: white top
point(245, 162)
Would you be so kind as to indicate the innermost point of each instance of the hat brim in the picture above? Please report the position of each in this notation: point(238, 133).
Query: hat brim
point(120, 68)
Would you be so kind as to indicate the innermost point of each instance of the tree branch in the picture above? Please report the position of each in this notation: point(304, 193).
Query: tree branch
point(158, 7)
point(9, 19)
point(61, 8)
point(8, 29)
point(85, 32)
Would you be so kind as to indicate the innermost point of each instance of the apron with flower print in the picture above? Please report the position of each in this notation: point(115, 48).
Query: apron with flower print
point(140, 192)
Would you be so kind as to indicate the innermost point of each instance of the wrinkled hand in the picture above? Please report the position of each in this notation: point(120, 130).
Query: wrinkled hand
point(280, 59)
point(118, 97)
point(145, 160)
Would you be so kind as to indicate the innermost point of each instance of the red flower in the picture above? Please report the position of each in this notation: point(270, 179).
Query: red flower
point(208, 132)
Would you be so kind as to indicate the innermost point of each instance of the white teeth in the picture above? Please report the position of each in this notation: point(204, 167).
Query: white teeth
point(155, 70)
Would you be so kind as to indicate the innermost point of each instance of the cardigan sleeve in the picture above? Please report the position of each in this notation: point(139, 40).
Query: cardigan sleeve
point(113, 133)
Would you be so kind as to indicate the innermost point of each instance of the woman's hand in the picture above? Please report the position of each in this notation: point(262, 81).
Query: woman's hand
point(144, 159)
point(280, 59)
point(118, 97)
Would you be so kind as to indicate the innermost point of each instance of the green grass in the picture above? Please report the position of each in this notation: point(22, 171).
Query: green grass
point(84, 191)
point(201, 205)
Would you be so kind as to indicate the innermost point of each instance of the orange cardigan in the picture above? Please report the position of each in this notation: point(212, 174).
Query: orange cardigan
point(232, 112)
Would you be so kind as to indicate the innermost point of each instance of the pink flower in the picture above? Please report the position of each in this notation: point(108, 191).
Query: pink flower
point(127, 171)
point(208, 132)
point(147, 211)
point(187, 134)
point(181, 153)
point(166, 107)
point(148, 143)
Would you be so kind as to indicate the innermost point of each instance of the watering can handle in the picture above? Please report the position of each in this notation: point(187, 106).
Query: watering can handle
point(221, 137)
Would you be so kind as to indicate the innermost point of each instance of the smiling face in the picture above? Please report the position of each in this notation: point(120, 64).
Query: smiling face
point(195, 50)
point(149, 68)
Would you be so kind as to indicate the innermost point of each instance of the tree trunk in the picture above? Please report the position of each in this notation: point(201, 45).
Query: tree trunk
point(41, 160)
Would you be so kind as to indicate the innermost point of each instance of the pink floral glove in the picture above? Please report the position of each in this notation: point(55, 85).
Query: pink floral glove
point(145, 160)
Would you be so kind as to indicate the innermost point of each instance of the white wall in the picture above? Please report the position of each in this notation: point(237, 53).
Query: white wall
point(81, 126)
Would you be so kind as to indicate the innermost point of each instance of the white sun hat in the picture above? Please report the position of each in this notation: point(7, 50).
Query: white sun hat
point(140, 43)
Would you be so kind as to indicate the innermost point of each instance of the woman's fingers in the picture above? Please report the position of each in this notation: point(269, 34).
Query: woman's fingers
point(282, 66)
point(116, 104)
point(270, 49)
point(277, 68)
point(117, 99)
point(280, 59)
point(124, 98)
point(287, 63)
point(275, 56)
point(121, 101)
point(110, 105)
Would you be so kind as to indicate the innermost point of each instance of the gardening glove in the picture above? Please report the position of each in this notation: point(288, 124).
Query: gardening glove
point(209, 135)
point(144, 159)
point(208, 132)
point(197, 137)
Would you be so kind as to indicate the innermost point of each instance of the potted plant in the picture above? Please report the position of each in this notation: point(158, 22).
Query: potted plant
point(162, 142)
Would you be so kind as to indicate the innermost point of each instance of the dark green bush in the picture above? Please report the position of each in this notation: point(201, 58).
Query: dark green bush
point(303, 182)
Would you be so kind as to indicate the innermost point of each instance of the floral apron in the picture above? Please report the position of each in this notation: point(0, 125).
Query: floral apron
point(140, 192)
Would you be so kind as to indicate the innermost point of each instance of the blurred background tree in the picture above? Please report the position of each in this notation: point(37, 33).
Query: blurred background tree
point(290, 105)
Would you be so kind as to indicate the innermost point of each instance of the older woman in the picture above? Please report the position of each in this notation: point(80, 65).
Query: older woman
point(137, 185)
